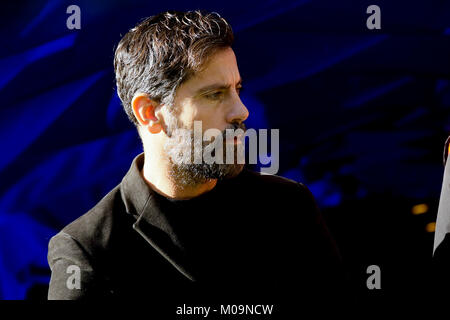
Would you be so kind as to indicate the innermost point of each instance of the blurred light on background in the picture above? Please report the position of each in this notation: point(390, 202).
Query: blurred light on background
point(430, 227)
point(419, 209)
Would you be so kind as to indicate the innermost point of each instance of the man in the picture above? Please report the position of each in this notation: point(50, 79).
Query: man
point(181, 229)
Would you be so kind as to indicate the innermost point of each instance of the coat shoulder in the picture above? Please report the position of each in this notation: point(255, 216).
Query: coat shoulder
point(93, 230)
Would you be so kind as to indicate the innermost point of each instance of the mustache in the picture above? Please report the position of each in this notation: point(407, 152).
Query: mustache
point(223, 135)
point(235, 126)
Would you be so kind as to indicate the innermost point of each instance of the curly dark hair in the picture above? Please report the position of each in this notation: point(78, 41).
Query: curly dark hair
point(164, 50)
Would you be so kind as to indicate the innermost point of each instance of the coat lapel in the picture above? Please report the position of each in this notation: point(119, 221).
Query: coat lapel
point(151, 223)
point(153, 226)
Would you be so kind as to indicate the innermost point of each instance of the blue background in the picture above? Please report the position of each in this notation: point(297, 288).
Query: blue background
point(363, 117)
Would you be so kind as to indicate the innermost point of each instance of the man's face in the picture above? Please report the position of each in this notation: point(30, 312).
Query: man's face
point(212, 97)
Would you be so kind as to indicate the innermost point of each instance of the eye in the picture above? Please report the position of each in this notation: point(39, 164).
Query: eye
point(215, 95)
point(239, 90)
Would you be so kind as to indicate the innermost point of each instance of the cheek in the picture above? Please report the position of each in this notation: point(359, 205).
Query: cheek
point(212, 118)
point(187, 115)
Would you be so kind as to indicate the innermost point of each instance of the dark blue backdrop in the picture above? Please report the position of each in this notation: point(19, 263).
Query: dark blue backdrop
point(362, 114)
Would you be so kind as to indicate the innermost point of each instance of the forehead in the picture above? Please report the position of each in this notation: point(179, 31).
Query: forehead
point(221, 67)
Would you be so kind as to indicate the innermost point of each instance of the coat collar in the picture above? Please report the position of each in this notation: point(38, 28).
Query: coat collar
point(152, 224)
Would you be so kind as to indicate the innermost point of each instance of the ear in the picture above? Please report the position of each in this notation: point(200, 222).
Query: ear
point(144, 110)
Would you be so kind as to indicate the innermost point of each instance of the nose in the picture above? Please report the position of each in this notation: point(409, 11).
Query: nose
point(238, 113)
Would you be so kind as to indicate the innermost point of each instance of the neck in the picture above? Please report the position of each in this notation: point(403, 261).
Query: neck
point(156, 173)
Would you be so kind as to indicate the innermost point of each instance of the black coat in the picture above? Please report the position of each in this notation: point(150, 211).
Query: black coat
point(253, 236)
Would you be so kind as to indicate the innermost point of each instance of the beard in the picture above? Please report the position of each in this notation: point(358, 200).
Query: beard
point(180, 151)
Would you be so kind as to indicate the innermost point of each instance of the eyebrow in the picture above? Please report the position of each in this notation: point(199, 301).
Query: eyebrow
point(216, 86)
